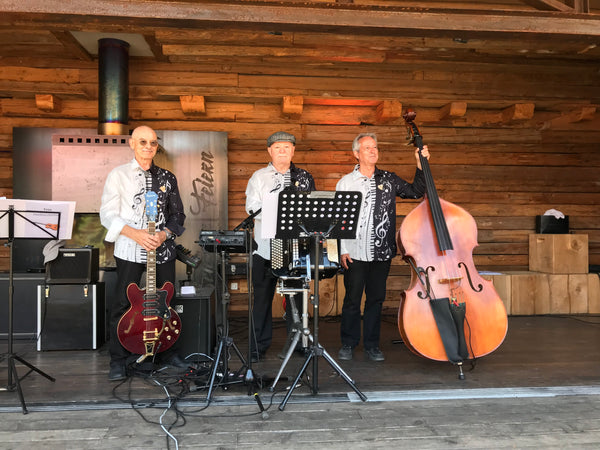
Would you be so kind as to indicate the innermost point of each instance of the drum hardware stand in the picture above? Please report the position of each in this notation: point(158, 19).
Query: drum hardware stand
point(225, 341)
point(12, 356)
point(299, 330)
point(325, 214)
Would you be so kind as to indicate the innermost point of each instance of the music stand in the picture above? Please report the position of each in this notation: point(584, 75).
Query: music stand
point(319, 215)
point(37, 224)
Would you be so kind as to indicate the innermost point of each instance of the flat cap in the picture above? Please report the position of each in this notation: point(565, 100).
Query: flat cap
point(281, 136)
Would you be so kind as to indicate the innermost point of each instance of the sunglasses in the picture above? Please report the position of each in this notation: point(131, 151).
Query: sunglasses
point(144, 142)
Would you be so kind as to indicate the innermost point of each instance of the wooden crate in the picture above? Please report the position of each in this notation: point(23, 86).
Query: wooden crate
point(536, 293)
point(593, 293)
point(502, 284)
point(558, 253)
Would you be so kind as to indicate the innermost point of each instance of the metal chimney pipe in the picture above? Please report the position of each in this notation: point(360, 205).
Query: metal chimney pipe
point(113, 93)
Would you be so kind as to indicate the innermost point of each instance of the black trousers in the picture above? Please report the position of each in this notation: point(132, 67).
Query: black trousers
point(264, 283)
point(127, 273)
point(370, 278)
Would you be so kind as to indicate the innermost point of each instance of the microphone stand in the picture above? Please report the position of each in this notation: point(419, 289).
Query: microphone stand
point(248, 225)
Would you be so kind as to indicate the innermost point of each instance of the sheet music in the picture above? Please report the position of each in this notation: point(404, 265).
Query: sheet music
point(269, 215)
point(38, 219)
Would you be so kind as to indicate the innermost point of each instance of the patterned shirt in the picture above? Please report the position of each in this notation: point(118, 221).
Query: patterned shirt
point(269, 180)
point(123, 203)
point(376, 229)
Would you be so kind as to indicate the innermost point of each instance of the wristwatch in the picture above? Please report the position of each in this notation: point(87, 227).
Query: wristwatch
point(169, 234)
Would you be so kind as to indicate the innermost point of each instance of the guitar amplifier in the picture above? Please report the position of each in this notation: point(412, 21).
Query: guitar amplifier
point(74, 266)
point(196, 331)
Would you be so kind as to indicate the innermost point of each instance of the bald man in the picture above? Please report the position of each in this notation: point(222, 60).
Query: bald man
point(123, 214)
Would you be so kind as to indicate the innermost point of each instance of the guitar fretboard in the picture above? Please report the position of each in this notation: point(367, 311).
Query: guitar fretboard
point(151, 264)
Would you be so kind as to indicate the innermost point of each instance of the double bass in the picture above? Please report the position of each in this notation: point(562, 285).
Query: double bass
point(449, 312)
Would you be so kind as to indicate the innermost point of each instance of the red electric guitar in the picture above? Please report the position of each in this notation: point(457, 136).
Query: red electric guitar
point(150, 325)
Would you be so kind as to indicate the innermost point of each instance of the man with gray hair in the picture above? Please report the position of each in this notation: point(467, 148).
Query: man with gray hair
point(367, 258)
point(280, 174)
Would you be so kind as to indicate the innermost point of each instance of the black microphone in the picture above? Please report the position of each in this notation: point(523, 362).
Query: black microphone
point(185, 256)
point(247, 220)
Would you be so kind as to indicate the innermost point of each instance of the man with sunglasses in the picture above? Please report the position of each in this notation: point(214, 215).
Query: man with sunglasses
point(122, 213)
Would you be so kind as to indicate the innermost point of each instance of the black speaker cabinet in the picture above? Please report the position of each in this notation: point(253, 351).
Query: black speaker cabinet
point(24, 304)
point(74, 266)
point(196, 329)
point(71, 316)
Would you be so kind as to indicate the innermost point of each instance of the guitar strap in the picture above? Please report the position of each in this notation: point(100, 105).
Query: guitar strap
point(148, 177)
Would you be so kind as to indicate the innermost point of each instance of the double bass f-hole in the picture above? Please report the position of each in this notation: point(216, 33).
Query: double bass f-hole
point(479, 287)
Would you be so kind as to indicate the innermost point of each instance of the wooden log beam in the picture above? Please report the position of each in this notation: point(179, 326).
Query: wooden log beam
point(585, 113)
point(192, 104)
point(578, 6)
point(414, 20)
point(72, 44)
point(549, 5)
point(292, 106)
point(519, 111)
point(452, 110)
point(47, 102)
point(389, 110)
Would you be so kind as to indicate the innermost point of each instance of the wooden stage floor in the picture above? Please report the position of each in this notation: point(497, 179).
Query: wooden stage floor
point(541, 357)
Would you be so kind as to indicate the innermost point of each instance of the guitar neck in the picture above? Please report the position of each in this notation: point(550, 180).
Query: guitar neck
point(151, 264)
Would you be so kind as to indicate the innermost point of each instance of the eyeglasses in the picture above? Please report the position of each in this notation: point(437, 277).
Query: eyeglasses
point(144, 142)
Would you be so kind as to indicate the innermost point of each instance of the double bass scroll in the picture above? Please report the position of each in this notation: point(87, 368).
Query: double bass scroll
point(449, 312)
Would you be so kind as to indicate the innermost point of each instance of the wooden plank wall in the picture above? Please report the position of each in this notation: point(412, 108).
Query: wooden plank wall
point(504, 172)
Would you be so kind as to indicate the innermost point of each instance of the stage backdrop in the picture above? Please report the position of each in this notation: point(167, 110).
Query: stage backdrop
point(72, 164)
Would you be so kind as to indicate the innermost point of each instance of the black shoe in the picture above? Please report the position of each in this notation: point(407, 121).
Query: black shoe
point(117, 373)
point(374, 354)
point(257, 356)
point(176, 361)
point(345, 353)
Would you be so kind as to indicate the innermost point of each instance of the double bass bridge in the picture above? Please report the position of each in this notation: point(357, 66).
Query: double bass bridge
point(449, 280)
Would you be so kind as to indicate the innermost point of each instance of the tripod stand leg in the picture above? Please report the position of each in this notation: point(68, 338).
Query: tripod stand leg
point(13, 370)
point(214, 371)
point(288, 355)
point(295, 383)
point(33, 368)
point(343, 374)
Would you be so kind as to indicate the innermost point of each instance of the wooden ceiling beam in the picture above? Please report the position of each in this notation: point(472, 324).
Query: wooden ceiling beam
point(192, 104)
point(519, 111)
point(578, 6)
point(389, 110)
point(72, 45)
point(292, 106)
point(585, 113)
point(47, 102)
point(276, 16)
point(453, 110)
point(549, 5)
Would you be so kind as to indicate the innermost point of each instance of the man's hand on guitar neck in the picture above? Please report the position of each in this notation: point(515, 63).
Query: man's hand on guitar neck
point(148, 241)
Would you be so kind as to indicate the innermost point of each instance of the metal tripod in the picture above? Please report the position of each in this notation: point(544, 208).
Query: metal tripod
point(225, 341)
point(315, 348)
point(300, 328)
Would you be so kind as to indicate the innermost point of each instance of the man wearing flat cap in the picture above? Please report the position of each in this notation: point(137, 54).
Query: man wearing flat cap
point(279, 174)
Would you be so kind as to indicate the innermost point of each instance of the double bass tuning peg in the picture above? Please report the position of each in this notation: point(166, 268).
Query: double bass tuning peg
point(410, 137)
